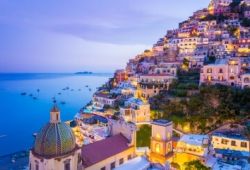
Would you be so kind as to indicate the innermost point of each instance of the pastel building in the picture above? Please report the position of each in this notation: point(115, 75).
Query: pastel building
point(135, 110)
point(113, 151)
point(101, 99)
point(230, 141)
point(193, 144)
point(151, 84)
point(55, 147)
point(223, 71)
point(245, 80)
point(161, 139)
point(120, 76)
point(219, 6)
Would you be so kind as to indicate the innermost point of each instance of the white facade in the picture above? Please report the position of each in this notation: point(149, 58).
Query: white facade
point(71, 161)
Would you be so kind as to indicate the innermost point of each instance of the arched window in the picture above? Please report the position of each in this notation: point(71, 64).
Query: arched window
point(246, 80)
point(157, 148)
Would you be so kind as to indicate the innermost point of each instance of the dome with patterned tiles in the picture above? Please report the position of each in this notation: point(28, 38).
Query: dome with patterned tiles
point(56, 138)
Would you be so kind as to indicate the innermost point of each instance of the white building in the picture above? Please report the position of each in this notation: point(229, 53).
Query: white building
point(193, 144)
point(135, 110)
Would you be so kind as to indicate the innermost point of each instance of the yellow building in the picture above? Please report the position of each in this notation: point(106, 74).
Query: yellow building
point(193, 144)
point(230, 141)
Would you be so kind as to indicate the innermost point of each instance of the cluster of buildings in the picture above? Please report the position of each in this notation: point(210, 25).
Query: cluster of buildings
point(214, 40)
point(55, 147)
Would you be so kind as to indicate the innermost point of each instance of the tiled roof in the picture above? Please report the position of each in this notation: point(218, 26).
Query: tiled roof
point(100, 150)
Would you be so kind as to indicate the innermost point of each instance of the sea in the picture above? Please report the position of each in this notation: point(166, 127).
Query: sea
point(26, 100)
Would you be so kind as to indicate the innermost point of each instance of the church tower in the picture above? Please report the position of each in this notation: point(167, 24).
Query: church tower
point(161, 139)
point(55, 146)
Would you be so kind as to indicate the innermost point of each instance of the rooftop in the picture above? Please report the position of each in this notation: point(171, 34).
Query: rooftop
point(136, 163)
point(230, 135)
point(162, 122)
point(194, 139)
point(103, 149)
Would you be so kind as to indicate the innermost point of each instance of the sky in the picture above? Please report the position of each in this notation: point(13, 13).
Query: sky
point(79, 35)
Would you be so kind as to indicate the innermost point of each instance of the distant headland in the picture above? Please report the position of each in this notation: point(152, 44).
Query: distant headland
point(84, 72)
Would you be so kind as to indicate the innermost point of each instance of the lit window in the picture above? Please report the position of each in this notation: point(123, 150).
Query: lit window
point(121, 161)
point(243, 144)
point(233, 143)
point(157, 148)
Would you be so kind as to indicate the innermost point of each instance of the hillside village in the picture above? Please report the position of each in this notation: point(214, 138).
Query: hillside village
point(183, 104)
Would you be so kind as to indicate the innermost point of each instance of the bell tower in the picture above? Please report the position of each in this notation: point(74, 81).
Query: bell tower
point(55, 115)
point(161, 139)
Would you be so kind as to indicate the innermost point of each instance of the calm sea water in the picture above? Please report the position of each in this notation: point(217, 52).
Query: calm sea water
point(21, 115)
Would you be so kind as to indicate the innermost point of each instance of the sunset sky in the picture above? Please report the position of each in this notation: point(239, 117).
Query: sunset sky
point(79, 35)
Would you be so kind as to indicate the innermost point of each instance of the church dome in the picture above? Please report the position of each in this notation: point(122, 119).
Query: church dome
point(55, 139)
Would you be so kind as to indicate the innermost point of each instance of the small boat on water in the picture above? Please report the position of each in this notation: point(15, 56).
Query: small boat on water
point(2, 136)
point(31, 95)
point(90, 89)
point(35, 98)
point(59, 93)
point(63, 102)
point(23, 94)
point(86, 86)
point(66, 88)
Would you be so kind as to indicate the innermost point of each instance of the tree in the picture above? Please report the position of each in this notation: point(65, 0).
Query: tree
point(175, 165)
point(195, 165)
point(143, 136)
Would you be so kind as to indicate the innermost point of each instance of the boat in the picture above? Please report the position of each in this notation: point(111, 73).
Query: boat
point(23, 94)
point(59, 93)
point(86, 86)
point(63, 102)
point(90, 89)
point(35, 98)
point(31, 95)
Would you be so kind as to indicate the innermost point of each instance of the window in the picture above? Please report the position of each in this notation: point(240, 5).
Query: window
point(37, 165)
point(67, 164)
point(224, 141)
point(129, 157)
point(209, 70)
point(243, 144)
point(103, 168)
point(112, 165)
point(121, 161)
point(233, 143)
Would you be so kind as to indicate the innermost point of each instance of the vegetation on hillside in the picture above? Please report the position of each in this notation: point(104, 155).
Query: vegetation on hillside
point(203, 108)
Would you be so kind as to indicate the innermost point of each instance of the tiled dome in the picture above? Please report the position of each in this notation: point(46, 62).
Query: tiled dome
point(54, 139)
